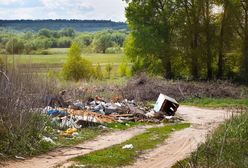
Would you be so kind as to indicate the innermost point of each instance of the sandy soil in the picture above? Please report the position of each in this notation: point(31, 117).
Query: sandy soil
point(179, 145)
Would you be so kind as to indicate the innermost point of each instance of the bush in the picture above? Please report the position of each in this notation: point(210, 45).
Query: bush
point(76, 67)
point(21, 126)
point(98, 72)
point(109, 68)
point(124, 69)
point(14, 46)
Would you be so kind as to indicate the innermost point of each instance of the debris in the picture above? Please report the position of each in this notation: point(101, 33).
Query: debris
point(56, 112)
point(166, 105)
point(97, 111)
point(48, 139)
point(19, 157)
point(129, 146)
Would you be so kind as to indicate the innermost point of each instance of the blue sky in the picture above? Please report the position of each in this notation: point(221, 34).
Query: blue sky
point(63, 9)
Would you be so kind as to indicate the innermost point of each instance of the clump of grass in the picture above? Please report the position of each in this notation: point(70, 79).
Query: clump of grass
point(226, 148)
point(115, 156)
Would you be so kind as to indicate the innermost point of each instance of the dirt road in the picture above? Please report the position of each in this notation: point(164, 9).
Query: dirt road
point(178, 146)
point(181, 143)
point(59, 156)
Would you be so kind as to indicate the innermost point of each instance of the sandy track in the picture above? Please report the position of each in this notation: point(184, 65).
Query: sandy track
point(59, 156)
point(181, 143)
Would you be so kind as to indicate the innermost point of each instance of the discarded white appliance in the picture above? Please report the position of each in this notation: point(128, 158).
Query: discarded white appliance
point(166, 105)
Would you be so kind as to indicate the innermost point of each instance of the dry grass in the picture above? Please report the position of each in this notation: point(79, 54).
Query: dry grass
point(144, 88)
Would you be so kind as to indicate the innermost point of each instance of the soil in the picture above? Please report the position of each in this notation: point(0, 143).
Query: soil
point(177, 147)
point(181, 143)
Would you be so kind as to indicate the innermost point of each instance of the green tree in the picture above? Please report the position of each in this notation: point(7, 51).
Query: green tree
point(102, 41)
point(14, 46)
point(151, 23)
point(76, 67)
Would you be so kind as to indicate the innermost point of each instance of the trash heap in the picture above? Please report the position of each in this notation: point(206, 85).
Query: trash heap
point(96, 111)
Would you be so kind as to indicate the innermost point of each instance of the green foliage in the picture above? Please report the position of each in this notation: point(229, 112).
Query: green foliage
point(98, 72)
point(102, 41)
point(115, 156)
point(108, 69)
point(14, 46)
point(76, 67)
point(124, 69)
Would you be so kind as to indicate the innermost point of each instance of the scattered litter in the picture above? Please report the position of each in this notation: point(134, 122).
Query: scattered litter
point(129, 146)
point(48, 139)
point(96, 111)
point(19, 157)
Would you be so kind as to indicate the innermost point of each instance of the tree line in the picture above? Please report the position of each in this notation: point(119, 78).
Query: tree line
point(58, 24)
point(193, 39)
point(35, 43)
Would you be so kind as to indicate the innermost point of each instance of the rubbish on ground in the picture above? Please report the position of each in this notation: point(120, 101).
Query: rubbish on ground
point(96, 111)
point(48, 139)
point(166, 104)
point(129, 146)
point(19, 157)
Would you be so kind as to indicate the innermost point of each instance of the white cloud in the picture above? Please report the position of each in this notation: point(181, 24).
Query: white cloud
point(8, 2)
point(64, 9)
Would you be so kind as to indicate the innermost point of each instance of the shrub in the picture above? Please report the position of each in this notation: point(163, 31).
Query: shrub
point(21, 126)
point(76, 67)
point(98, 72)
point(109, 69)
point(124, 69)
point(14, 46)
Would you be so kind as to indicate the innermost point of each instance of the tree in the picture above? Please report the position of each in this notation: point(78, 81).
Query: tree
point(151, 27)
point(76, 67)
point(102, 41)
point(14, 46)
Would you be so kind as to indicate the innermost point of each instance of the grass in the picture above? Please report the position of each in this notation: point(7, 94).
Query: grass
point(59, 55)
point(217, 103)
point(115, 156)
point(226, 148)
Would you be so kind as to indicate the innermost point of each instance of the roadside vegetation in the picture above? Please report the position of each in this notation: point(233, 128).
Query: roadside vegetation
point(226, 148)
point(116, 156)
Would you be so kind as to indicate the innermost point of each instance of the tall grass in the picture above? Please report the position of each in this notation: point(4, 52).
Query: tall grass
point(21, 123)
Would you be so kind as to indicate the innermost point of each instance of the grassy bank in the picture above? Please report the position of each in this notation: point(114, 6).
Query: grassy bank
point(216, 103)
point(115, 156)
point(226, 148)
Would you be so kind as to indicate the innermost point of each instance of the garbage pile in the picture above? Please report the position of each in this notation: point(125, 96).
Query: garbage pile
point(97, 111)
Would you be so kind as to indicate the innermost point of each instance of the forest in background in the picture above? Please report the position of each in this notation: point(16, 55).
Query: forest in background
point(77, 25)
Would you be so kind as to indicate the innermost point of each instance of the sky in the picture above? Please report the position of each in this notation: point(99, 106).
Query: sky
point(63, 9)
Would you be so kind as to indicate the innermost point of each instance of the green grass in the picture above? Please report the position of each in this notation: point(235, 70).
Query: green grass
point(226, 148)
point(59, 55)
point(115, 156)
point(217, 103)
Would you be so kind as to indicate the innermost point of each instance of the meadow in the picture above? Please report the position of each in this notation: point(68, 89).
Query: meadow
point(53, 60)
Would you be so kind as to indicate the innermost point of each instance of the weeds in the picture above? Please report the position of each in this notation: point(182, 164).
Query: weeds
point(21, 123)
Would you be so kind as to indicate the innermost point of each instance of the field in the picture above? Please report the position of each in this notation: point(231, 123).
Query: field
point(54, 58)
